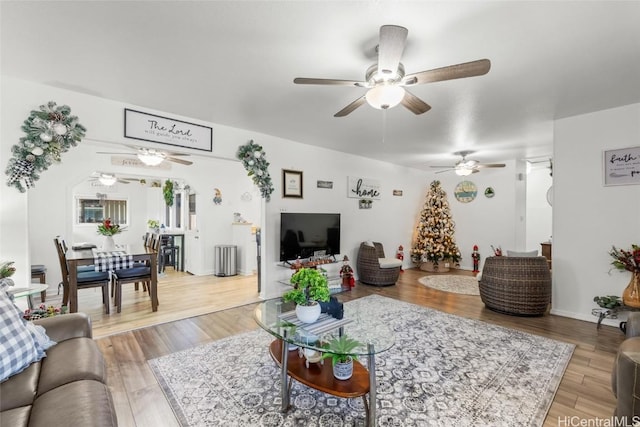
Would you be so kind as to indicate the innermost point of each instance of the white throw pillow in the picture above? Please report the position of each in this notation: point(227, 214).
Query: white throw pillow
point(522, 254)
point(19, 343)
point(389, 262)
point(369, 243)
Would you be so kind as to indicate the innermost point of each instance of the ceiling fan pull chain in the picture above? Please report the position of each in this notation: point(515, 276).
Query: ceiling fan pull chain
point(384, 125)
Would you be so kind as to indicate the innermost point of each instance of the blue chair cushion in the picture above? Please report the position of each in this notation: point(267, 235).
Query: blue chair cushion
point(92, 276)
point(38, 268)
point(128, 273)
point(84, 268)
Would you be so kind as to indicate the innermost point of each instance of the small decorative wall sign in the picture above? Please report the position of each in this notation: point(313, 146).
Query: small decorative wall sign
point(489, 192)
point(358, 188)
point(397, 193)
point(291, 183)
point(163, 130)
point(465, 191)
point(622, 166)
point(324, 184)
point(365, 203)
point(217, 196)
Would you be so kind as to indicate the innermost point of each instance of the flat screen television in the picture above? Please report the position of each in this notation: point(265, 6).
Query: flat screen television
point(309, 234)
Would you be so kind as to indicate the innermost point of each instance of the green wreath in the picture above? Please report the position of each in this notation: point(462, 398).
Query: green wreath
point(50, 131)
point(254, 161)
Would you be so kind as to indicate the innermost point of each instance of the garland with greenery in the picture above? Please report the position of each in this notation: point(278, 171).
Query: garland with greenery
point(254, 161)
point(50, 131)
point(167, 191)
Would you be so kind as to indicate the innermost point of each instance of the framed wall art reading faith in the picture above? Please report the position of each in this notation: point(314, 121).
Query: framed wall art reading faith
point(291, 183)
point(622, 166)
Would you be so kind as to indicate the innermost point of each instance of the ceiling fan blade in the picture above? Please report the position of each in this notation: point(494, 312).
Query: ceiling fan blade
point(349, 108)
point(111, 152)
point(458, 71)
point(329, 82)
point(122, 181)
point(182, 162)
point(490, 165)
point(441, 167)
point(392, 41)
point(446, 170)
point(414, 104)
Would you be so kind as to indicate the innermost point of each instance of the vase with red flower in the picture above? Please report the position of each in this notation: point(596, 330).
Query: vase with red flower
point(629, 260)
point(108, 230)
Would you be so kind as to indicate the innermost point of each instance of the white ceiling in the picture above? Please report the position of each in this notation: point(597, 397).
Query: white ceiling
point(233, 63)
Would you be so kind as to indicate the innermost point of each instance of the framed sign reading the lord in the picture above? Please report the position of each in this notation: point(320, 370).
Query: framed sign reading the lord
point(163, 130)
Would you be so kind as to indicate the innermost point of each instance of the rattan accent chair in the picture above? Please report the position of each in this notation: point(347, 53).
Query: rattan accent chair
point(519, 286)
point(369, 267)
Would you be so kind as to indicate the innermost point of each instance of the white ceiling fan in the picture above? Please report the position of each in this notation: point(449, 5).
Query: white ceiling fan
point(466, 167)
point(151, 156)
point(386, 80)
point(109, 179)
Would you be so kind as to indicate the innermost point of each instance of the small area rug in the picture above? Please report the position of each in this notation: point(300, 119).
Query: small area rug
point(466, 285)
point(444, 370)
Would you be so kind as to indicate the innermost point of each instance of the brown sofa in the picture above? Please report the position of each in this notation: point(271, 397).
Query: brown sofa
point(625, 378)
point(68, 387)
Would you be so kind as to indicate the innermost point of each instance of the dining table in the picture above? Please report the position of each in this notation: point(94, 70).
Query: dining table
point(111, 261)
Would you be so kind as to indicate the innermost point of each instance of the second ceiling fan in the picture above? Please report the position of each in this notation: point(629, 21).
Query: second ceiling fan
point(466, 167)
point(386, 80)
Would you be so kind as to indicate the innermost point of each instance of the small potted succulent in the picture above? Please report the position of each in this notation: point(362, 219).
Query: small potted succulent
point(341, 351)
point(309, 288)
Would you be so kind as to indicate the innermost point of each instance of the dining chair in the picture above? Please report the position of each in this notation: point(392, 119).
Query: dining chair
point(168, 252)
point(84, 279)
point(136, 275)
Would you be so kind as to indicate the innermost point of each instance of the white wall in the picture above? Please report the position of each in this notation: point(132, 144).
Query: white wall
point(539, 212)
point(391, 220)
point(588, 218)
point(484, 221)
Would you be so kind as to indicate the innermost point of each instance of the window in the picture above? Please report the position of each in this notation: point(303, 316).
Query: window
point(173, 215)
point(92, 211)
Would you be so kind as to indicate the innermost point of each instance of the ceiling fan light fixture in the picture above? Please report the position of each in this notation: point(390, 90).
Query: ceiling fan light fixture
point(464, 171)
point(107, 180)
point(384, 96)
point(150, 159)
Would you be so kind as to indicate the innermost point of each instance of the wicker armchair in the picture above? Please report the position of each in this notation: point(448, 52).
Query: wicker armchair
point(516, 285)
point(373, 272)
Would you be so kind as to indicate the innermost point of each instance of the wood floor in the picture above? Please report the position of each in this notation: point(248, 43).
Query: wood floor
point(584, 392)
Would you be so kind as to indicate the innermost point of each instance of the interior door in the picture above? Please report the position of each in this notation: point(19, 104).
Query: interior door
point(193, 245)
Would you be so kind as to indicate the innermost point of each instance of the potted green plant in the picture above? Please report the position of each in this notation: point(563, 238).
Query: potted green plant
point(309, 288)
point(609, 301)
point(340, 350)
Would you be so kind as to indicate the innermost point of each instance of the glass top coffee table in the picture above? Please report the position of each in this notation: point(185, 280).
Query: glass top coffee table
point(290, 334)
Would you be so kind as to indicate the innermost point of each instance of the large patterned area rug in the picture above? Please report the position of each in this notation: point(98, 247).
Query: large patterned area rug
point(467, 285)
point(443, 370)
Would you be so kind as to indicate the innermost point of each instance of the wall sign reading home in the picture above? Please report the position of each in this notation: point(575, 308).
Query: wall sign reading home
point(363, 188)
point(153, 128)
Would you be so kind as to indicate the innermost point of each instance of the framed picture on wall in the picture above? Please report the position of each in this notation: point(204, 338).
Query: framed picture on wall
point(291, 183)
point(622, 166)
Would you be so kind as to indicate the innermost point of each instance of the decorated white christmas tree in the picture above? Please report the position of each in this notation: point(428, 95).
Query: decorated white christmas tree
point(435, 239)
